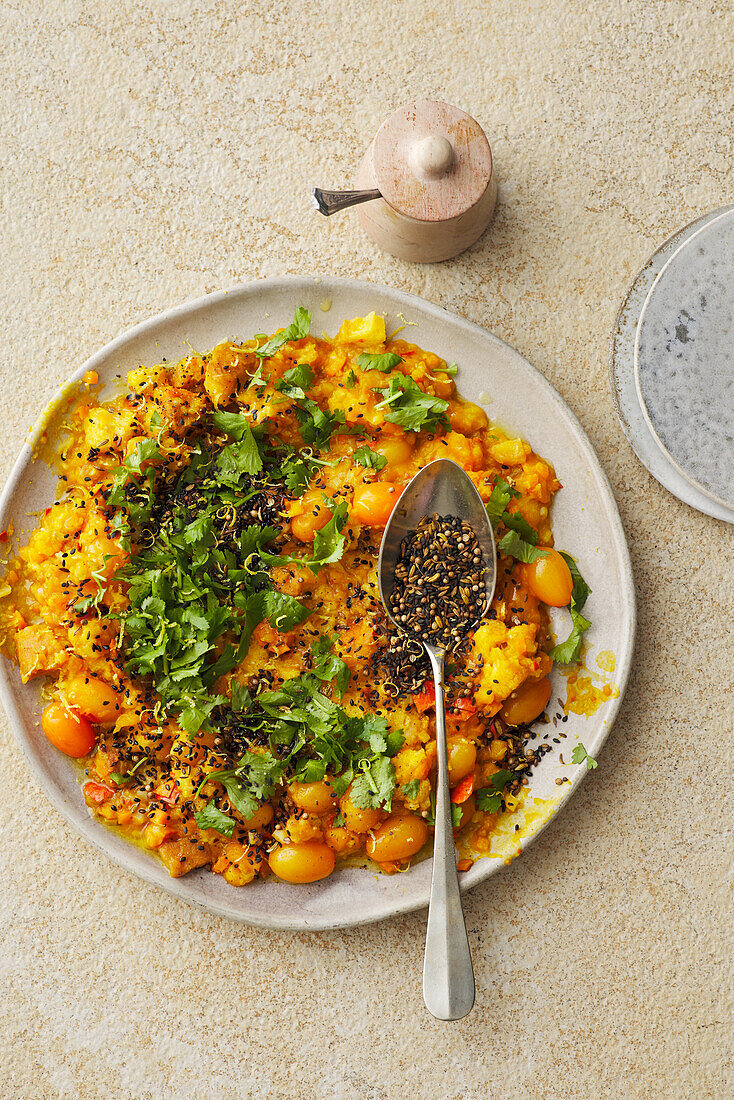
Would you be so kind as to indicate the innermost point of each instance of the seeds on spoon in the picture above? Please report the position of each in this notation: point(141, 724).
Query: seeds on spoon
point(439, 590)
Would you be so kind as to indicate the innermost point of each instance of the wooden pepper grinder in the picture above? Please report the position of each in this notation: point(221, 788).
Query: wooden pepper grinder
point(426, 183)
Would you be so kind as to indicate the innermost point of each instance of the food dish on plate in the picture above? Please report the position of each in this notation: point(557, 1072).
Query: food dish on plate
point(203, 597)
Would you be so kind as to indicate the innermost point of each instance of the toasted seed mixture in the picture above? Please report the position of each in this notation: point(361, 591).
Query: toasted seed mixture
point(201, 601)
point(440, 590)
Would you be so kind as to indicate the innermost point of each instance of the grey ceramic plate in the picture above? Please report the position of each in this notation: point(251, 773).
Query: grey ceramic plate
point(624, 389)
point(684, 359)
point(586, 523)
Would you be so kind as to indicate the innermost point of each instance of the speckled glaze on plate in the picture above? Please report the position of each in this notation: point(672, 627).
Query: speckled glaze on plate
point(623, 382)
point(585, 520)
point(684, 359)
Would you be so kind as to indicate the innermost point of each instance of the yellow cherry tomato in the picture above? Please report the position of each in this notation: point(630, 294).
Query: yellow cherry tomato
point(373, 504)
point(527, 702)
point(549, 578)
point(400, 837)
point(397, 449)
point(314, 798)
point(262, 816)
point(300, 863)
point(315, 515)
point(92, 698)
point(67, 731)
point(462, 758)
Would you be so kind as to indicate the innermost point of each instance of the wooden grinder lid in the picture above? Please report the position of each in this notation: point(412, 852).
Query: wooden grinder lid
point(431, 161)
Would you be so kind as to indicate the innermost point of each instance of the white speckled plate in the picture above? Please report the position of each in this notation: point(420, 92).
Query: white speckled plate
point(684, 359)
point(586, 523)
point(623, 383)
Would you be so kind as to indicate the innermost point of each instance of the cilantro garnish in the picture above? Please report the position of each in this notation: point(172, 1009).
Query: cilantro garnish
point(385, 363)
point(568, 652)
point(212, 818)
point(196, 587)
point(317, 425)
point(579, 755)
point(252, 780)
point(299, 327)
point(502, 494)
point(131, 487)
point(296, 381)
point(350, 378)
point(325, 666)
point(489, 799)
point(581, 590)
point(371, 460)
point(410, 790)
point(411, 407)
point(236, 459)
point(328, 543)
point(511, 543)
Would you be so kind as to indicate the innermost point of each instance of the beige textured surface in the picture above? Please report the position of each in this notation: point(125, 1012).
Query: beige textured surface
point(153, 153)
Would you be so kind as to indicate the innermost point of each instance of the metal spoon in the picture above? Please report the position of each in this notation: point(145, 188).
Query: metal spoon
point(442, 487)
point(331, 202)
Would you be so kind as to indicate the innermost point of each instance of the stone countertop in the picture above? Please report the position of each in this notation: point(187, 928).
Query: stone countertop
point(154, 152)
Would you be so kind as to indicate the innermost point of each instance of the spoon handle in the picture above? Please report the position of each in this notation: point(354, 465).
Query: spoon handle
point(448, 975)
point(331, 202)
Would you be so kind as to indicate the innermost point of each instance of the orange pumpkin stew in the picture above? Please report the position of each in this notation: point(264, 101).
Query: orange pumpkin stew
point(202, 600)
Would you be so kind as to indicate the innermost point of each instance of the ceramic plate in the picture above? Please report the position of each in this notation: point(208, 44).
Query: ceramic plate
point(684, 359)
point(586, 523)
point(634, 422)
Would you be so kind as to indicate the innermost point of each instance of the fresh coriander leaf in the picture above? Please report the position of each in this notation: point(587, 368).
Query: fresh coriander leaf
point(375, 786)
point(512, 544)
point(371, 460)
point(282, 612)
point(300, 377)
point(212, 818)
point(579, 755)
point(581, 590)
point(195, 712)
point(518, 523)
point(500, 779)
point(317, 425)
point(325, 666)
point(410, 407)
point(156, 420)
point(488, 801)
point(502, 494)
point(145, 449)
point(235, 425)
point(410, 790)
point(241, 698)
point(239, 458)
point(385, 363)
point(566, 653)
point(395, 742)
point(350, 378)
point(338, 822)
point(242, 799)
point(299, 327)
point(456, 814)
point(328, 543)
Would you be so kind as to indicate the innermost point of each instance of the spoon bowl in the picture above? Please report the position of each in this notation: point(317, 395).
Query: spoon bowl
point(442, 488)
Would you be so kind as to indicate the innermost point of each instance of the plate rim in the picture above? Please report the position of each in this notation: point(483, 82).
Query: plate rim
point(87, 826)
point(621, 345)
point(689, 240)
